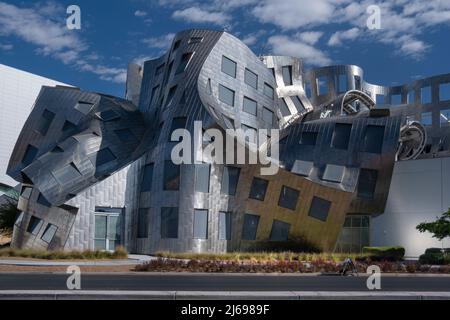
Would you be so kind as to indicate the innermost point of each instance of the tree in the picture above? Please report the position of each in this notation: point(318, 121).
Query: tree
point(8, 214)
point(439, 228)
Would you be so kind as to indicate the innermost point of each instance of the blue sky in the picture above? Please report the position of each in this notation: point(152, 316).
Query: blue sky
point(413, 41)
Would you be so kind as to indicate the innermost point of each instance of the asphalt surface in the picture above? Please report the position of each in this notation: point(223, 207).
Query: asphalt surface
point(213, 282)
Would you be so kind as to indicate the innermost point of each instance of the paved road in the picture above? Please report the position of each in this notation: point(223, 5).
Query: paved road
point(174, 282)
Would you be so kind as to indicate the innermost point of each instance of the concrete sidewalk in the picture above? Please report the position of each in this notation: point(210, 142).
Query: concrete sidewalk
point(218, 295)
point(133, 259)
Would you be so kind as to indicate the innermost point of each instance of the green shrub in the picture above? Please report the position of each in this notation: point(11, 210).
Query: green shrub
point(120, 253)
point(437, 250)
point(385, 253)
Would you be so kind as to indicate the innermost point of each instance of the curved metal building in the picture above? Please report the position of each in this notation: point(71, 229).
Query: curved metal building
point(97, 172)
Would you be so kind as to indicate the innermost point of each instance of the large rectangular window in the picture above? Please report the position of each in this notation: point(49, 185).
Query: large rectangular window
point(169, 223)
point(185, 59)
point(298, 104)
point(250, 227)
point(49, 233)
point(171, 95)
point(251, 134)
point(251, 79)
point(258, 189)
point(46, 121)
point(322, 85)
point(104, 156)
point(373, 140)
point(226, 95)
point(250, 106)
point(319, 209)
point(445, 117)
point(284, 108)
point(426, 119)
point(269, 91)
point(288, 198)
point(147, 178)
point(309, 138)
point(230, 179)
point(280, 231)
point(171, 176)
point(229, 67)
point(177, 123)
point(202, 176)
point(426, 95)
point(143, 223)
point(342, 79)
point(444, 92)
point(268, 116)
point(341, 136)
point(35, 225)
point(200, 224)
point(30, 154)
point(367, 183)
point(287, 75)
point(224, 225)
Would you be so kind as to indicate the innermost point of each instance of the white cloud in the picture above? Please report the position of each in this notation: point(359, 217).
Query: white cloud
point(41, 27)
point(162, 42)
point(199, 15)
point(140, 13)
point(338, 37)
point(293, 14)
point(284, 45)
point(6, 47)
point(310, 37)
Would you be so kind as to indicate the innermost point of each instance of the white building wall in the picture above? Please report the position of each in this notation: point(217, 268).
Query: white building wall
point(420, 191)
point(18, 92)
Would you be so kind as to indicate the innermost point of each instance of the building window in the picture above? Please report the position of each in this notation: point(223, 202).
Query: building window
point(49, 233)
point(200, 224)
point(251, 134)
point(298, 104)
point(229, 67)
point(445, 117)
point(104, 156)
point(367, 183)
point(319, 209)
point(357, 82)
point(84, 107)
point(171, 176)
point(426, 95)
point(309, 138)
point(108, 115)
point(333, 173)
point(342, 79)
point(29, 156)
point(280, 231)
point(380, 99)
point(341, 136)
point(268, 116)
point(26, 192)
point(19, 220)
point(169, 223)
point(147, 178)
point(176, 45)
point(67, 174)
point(250, 106)
point(427, 119)
point(177, 123)
point(308, 89)
point(268, 91)
point(170, 96)
point(396, 99)
point(302, 168)
point(159, 69)
point(35, 225)
point(285, 112)
point(193, 40)
point(185, 59)
point(230, 179)
point(250, 227)
point(143, 223)
point(411, 96)
point(68, 126)
point(126, 136)
point(154, 91)
point(229, 123)
point(258, 189)
point(251, 78)
point(444, 91)
point(322, 85)
point(224, 225)
point(202, 176)
point(373, 140)
point(46, 121)
point(355, 234)
point(287, 75)
point(226, 95)
point(288, 198)
point(43, 201)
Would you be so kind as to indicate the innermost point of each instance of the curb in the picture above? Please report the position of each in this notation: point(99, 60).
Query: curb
point(223, 295)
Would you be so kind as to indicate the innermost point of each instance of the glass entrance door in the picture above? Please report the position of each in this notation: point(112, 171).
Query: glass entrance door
point(108, 230)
